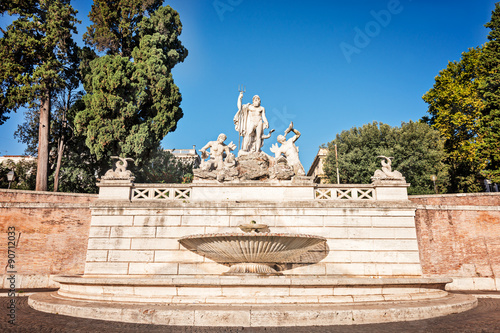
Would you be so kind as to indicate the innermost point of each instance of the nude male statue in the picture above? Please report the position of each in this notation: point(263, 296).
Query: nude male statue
point(250, 122)
point(290, 150)
point(217, 151)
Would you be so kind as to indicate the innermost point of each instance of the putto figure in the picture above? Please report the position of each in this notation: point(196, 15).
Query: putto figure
point(290, 150)
point(250, 122)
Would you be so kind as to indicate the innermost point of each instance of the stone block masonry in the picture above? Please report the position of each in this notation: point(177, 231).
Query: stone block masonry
point(458, 236)
point(370, 230)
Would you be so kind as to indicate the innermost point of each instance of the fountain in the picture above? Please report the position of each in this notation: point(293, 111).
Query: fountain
point(158, 253)
point(252, 252)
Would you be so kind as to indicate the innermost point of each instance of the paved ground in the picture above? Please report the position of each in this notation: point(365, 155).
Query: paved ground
point(483, 319)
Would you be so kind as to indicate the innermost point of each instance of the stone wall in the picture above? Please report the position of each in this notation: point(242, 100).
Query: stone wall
point(51, 231)
point(363, 238)
point(459, 237)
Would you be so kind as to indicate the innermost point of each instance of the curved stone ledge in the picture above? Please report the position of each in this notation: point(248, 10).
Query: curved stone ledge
point(165, 280)
point(264, 315)
point(249, 289)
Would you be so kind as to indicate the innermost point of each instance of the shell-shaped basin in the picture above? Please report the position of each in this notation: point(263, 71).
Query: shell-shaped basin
point(267, 248)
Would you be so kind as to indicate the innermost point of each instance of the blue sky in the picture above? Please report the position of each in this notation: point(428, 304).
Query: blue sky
point(325, 65)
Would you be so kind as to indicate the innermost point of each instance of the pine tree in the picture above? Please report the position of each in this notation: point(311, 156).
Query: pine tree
point(36, 50)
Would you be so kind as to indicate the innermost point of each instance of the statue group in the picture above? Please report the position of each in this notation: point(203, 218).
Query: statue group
point(218, 161)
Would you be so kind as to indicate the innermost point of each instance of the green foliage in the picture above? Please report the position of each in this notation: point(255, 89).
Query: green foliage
point(25, 75)
point(490, 89)
point(455, 109)
point(132, 101)
point(187, 178)
point(38, 54)
point(79, 172)
point(115, 24)
point(24, 173)
point(79, 168)
point(163, 167)
point(416, 147)
point(46, 27)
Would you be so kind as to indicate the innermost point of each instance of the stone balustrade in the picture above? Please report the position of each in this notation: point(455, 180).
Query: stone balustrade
point(344, 192)
point(160, 192)
point(254, 191)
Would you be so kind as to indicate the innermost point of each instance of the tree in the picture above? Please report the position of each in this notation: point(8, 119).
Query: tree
point(36, 50)
point(416, 147)
point(163, 167)
point(131, 101)
point(490, 90)
point(73, 167)
point(24, 174)
point(115, 25)
point(455, 109)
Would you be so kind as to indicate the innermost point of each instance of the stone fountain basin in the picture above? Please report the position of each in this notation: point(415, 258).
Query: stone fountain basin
point(269, 248)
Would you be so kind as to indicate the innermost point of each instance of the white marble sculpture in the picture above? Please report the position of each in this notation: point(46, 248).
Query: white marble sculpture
point(386, 172)
point(289, 150)
point(120, 171)
point(250, 122)
point(218, 150)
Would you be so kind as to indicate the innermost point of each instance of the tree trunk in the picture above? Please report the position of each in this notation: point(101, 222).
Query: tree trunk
point(60, 146)
point(60, 150)
point(43, 144)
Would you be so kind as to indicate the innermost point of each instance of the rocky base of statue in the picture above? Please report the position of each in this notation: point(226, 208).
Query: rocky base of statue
point(254, 166)
point(226, 174)
point(281, 170)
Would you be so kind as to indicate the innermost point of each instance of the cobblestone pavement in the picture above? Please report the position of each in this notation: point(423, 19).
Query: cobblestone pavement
point(485, 318)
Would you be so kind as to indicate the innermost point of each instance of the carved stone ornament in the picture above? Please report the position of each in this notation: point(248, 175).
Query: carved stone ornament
point(386, 173)
point(120, 171)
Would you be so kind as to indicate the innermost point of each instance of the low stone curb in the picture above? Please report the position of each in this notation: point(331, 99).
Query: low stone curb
point(255, 316)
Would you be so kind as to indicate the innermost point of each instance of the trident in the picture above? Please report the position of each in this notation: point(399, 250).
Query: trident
point(241, 89)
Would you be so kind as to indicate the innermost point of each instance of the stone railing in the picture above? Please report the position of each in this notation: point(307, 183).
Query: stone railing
point(160, 192)
point(122, 190)
point(321, 192)
point(344, 192)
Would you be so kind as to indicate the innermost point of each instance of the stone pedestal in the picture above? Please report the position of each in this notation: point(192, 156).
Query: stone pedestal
point(115, 189)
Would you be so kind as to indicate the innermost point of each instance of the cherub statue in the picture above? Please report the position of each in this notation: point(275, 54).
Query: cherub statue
point(218, 150)
point(289, 150)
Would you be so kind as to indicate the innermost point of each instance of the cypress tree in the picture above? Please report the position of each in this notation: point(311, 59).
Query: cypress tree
point(132, 101)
